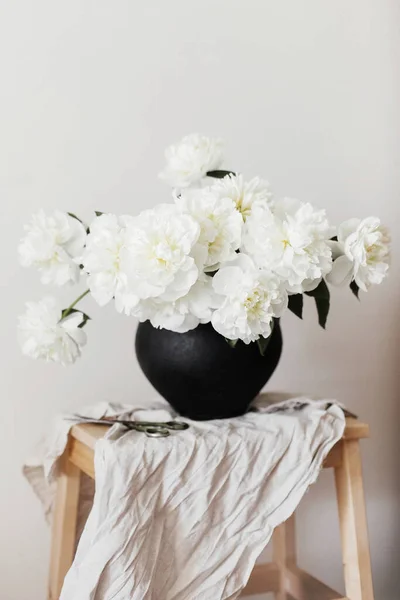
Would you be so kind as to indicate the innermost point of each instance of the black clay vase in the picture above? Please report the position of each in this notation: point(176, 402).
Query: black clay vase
point(200, 374)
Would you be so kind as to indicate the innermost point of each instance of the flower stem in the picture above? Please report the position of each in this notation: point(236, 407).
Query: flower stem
point(66, 312)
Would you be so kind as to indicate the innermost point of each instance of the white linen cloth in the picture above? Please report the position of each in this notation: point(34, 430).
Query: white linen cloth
point(185, 517)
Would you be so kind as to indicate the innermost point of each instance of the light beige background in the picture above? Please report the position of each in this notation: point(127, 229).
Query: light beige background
point(304, 93)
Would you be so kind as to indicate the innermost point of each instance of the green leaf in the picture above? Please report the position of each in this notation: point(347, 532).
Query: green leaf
point(296, 305)
point(220, 174)
point(75, 217)
point(355, 289)
point(80, 221)
point(263, 343)
point(66, 312)
point(232, 343)
point(98, 213)
point(322, 300)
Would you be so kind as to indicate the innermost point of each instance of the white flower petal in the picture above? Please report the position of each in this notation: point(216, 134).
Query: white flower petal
point(181, 285)
point(72, 321)
point(53, 244)
point(43, 335)
point(79, 336)
point(308, 285)
point(365, 248)
point(291, 239)
point(102, 287)
point(250, 299)
point(189, 160)
point(184, 313)
point(189, 322)
point(341, 273)
point(144, 257)
point(226, 280)
point(220, 224)
point(336, 248)
point(346, 228)
point(243, 193)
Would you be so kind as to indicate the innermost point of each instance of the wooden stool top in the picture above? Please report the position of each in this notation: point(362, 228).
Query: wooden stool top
point(88, 434)
point(84, 437)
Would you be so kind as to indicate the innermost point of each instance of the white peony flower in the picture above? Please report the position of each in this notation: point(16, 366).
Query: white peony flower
point(52, 244)
point(161, 253)
point(292, 240)
point(189, 160)
point(152, 255)
point(243, 193)
point(43, 334)
point(363, 250)
point(102, 259)
point(220, 223)
point(250, 298)
point(183, 314)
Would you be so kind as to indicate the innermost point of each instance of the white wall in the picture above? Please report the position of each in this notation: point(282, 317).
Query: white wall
point(304, 93)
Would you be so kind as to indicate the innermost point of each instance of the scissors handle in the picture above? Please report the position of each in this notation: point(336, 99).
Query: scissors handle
point(156, 432)
point(172, 425)
point(177, 425)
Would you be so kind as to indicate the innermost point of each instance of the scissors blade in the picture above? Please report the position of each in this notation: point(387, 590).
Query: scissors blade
point(102, 421)
point(82, 419)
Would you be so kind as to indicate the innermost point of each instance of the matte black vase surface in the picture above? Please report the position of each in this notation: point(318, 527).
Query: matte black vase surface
point(200, 374)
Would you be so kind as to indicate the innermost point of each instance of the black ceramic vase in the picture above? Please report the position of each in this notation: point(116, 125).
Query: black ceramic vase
point(200, 374)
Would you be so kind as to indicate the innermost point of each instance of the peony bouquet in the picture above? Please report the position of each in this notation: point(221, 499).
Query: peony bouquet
point(222, 250)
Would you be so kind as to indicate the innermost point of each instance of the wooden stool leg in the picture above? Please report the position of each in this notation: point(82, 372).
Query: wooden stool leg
point(284, 552)
point(353, 524)
point(64, 526)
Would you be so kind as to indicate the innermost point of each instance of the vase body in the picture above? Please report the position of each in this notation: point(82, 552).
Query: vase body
point(200, 374)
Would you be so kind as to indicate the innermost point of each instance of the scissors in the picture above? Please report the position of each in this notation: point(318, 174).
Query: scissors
point(151, 429)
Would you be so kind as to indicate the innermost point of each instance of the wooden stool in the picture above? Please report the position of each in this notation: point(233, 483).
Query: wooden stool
point(282, 576)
